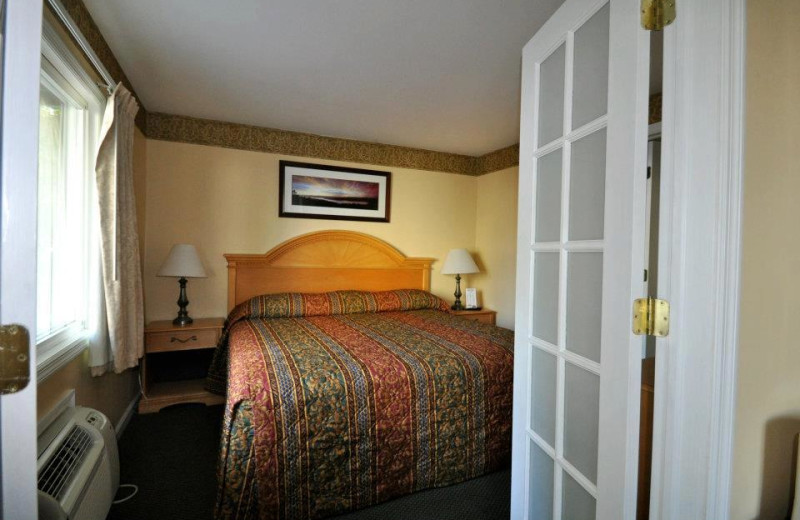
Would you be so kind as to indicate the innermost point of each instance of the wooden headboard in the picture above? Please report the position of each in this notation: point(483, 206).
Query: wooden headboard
point(325, 261)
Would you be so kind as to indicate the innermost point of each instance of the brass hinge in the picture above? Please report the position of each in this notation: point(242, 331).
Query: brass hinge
point(14, 358)
point(657, 14)
point(650, 317)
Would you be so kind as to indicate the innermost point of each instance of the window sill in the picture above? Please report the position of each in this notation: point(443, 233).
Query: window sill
point(60, 355)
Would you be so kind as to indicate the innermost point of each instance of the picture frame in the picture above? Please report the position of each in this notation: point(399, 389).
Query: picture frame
point(321, 191)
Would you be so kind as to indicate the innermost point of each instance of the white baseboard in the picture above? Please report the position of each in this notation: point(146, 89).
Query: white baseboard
point(127, 415)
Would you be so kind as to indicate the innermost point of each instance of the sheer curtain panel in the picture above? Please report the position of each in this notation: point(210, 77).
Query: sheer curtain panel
point(121, 269)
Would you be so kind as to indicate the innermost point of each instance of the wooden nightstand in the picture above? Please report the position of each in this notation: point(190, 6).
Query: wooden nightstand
point(484, 315)
point(169, 349)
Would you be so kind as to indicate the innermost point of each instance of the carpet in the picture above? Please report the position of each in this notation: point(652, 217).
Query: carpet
point(172, 457)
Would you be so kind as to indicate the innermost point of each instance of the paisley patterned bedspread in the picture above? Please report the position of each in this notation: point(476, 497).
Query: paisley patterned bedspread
point(343, 400)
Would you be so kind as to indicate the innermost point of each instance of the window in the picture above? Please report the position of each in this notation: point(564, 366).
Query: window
point(61, 225)
point(67, 247)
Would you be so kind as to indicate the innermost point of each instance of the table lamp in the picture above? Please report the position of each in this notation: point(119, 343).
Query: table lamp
point(182, 263)
point(459, 262)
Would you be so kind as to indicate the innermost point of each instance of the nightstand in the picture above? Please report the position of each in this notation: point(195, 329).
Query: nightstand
point(175, 362)
point(484, 315)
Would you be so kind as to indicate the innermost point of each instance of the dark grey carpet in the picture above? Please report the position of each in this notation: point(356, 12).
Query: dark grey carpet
point(171, 456)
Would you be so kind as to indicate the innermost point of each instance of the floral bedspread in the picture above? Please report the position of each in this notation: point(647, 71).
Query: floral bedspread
point(339, 401)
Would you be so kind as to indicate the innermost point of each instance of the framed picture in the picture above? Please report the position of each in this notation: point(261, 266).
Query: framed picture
point(330, 192)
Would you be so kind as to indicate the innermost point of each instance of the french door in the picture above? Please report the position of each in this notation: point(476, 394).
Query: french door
point(580, 262)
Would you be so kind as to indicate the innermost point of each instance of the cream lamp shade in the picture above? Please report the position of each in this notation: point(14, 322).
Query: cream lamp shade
point(459, 261)
point(182, 262)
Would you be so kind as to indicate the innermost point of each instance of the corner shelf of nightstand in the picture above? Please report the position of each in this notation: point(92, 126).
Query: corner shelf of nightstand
point(162, 337)
point(484, 315)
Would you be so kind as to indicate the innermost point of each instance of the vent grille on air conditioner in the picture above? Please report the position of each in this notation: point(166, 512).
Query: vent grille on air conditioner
point(55, 477)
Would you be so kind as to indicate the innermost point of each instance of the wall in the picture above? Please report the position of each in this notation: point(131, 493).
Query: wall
point(496, 242)
point(768, 401)
point(110, 393)
point(225, 201)
point(140, 185)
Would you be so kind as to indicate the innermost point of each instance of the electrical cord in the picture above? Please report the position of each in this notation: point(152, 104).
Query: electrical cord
point(135, 489)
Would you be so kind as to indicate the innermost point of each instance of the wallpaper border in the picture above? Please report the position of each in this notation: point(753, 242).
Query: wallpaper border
point(183, 129)
point(654, 115)
point(497, 160)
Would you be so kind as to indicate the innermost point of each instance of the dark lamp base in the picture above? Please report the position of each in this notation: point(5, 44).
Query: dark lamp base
point(183, 318)
point(182, 321)
point(457, 305)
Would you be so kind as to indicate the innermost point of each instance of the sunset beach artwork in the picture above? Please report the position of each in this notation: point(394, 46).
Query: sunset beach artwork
point(332, 192)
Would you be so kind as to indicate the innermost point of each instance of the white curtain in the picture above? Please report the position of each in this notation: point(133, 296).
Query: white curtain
point(123, 344)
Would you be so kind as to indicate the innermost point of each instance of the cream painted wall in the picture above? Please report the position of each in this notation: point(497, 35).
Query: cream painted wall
point(225, 201)
point(110, 393)
point(768, 400)
point(496, 242)
point(140, 184)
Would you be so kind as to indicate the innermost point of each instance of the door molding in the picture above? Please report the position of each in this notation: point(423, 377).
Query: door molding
point(699, 262)
point(18, 169)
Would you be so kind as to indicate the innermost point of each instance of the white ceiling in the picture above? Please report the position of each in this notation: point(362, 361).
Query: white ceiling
point(437, 74)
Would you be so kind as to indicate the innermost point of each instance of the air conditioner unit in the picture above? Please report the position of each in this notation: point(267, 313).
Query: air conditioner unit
point(78, 465)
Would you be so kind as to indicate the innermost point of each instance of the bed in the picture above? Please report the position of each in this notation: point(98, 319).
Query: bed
point(349, 384)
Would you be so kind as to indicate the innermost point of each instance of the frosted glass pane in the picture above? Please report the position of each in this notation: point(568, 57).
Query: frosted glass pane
point(584, 298)
point(540, 485)
point(545, 297)
point(576, 502)
point(587, 187)
point(551, 97)
point(543, 396)
point(590, 92)
point(548, 197)
point(581, 414)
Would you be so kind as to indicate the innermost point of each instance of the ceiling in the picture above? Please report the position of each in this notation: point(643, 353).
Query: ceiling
point(436, 74)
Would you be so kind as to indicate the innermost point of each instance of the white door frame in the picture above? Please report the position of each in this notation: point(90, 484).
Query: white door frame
point(699, 259)
point(18, 167)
